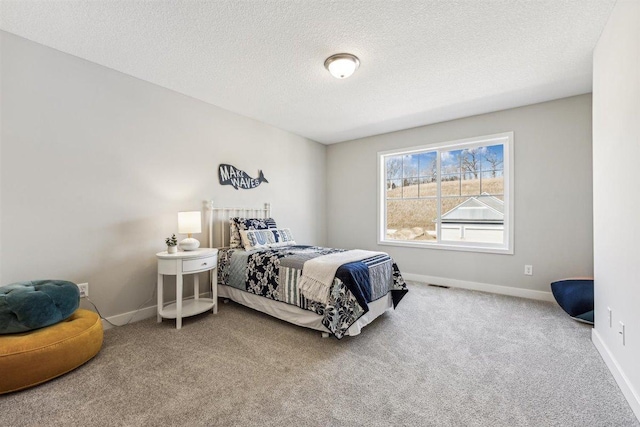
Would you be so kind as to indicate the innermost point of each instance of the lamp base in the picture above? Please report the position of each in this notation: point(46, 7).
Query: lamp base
point(189, 244)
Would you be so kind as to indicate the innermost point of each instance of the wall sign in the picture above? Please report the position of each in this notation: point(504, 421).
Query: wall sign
point(230, 175)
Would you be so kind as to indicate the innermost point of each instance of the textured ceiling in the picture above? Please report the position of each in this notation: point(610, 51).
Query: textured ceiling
point(421, 61)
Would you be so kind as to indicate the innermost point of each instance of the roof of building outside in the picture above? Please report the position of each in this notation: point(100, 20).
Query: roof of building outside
point(481, 209)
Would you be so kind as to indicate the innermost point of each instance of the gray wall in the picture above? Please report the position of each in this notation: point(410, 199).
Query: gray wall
point(616, 150)
point(553, 200)
point(96, 164)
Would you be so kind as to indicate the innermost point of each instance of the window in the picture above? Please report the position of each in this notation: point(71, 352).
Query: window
point(454, 195)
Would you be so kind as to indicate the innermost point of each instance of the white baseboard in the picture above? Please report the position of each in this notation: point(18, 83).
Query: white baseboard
point(484, 287)
point(628, 390)
point(145, 313)
point(130, 317)
point(137, 315)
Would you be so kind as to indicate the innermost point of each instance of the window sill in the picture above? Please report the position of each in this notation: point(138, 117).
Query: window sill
point(444, 246)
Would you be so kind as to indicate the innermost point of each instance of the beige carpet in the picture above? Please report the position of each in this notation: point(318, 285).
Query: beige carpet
point(446, 358)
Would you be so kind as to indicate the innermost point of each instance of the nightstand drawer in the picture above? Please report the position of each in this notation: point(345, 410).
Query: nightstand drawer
point(199, 264)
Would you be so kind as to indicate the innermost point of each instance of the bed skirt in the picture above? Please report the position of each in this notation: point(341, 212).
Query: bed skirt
point(298, 316)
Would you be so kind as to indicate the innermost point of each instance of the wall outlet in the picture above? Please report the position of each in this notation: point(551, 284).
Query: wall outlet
point(610, 317)
point(84, 290)
point(528, 270)
point(621, 332)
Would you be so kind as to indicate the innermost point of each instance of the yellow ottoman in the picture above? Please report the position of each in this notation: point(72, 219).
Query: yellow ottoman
point(33, 357)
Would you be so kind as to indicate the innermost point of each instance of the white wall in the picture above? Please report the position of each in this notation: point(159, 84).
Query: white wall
point(553, 198)
point(616, 150)
point(96, 164)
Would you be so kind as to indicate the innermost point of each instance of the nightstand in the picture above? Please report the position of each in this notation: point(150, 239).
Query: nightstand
point(179, 264)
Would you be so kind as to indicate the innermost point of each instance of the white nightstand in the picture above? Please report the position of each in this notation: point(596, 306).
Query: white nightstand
point(179, 264)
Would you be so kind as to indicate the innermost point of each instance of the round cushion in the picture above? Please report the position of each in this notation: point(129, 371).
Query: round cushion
point(576, 297)
point(26, 306)
point(34, 357)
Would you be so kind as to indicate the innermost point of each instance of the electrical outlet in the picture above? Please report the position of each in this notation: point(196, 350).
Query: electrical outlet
point(610, 317)
point(621, 332)
point(528, 270)
point(84, 290)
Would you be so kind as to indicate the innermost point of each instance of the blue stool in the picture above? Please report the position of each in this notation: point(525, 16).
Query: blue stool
point(575, 296)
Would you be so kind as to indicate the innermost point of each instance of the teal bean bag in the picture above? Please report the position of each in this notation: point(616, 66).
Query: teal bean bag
point(25, 306)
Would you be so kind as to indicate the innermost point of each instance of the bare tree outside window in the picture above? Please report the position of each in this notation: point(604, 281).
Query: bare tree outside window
point(494, 161)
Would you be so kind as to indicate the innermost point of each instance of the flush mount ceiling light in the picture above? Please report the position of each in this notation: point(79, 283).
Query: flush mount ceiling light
point(342, 65)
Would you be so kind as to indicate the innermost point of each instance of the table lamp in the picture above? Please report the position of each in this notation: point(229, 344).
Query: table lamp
point(188, 223)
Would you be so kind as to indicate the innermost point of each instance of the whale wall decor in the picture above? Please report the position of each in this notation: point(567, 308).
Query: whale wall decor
point(231, 175)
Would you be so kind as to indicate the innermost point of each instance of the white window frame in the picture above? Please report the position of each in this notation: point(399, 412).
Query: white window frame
point(506, 247)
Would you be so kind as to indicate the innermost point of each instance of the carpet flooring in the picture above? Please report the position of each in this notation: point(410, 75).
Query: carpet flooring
point(446, 357)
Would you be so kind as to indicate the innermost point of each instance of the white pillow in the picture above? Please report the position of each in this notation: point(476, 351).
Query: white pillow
point(270, 238)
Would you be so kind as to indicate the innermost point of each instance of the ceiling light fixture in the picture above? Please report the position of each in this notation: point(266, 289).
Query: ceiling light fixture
point(342, 65)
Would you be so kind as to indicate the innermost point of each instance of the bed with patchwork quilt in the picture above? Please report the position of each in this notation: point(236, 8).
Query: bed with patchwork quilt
point(274, 278)
point(335, 291)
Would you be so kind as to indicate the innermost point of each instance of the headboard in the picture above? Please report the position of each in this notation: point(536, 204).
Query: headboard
point(218, 220)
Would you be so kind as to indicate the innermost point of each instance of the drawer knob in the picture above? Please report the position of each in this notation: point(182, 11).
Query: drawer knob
point(204, 263)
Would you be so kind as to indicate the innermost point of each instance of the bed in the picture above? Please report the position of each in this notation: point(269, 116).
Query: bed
point(261, 266)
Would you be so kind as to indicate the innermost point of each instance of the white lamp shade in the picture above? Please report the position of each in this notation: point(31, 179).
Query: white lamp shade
point(189, 222)
point(342, 65)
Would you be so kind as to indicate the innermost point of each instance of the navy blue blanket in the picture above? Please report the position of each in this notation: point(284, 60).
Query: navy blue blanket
point(355, 275)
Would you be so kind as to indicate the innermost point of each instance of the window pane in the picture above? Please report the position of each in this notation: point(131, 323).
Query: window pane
point(411, 219)
point(428, 164)
point(493, 184)
point(493, 158)
point(470, 163)
point(450, 162)
point(409, 187)
point(394, 188)
point(393, 166)
point(428, 187)
point(448, 203)
point(450, 185)
point(470, 186)
point(410, 166)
